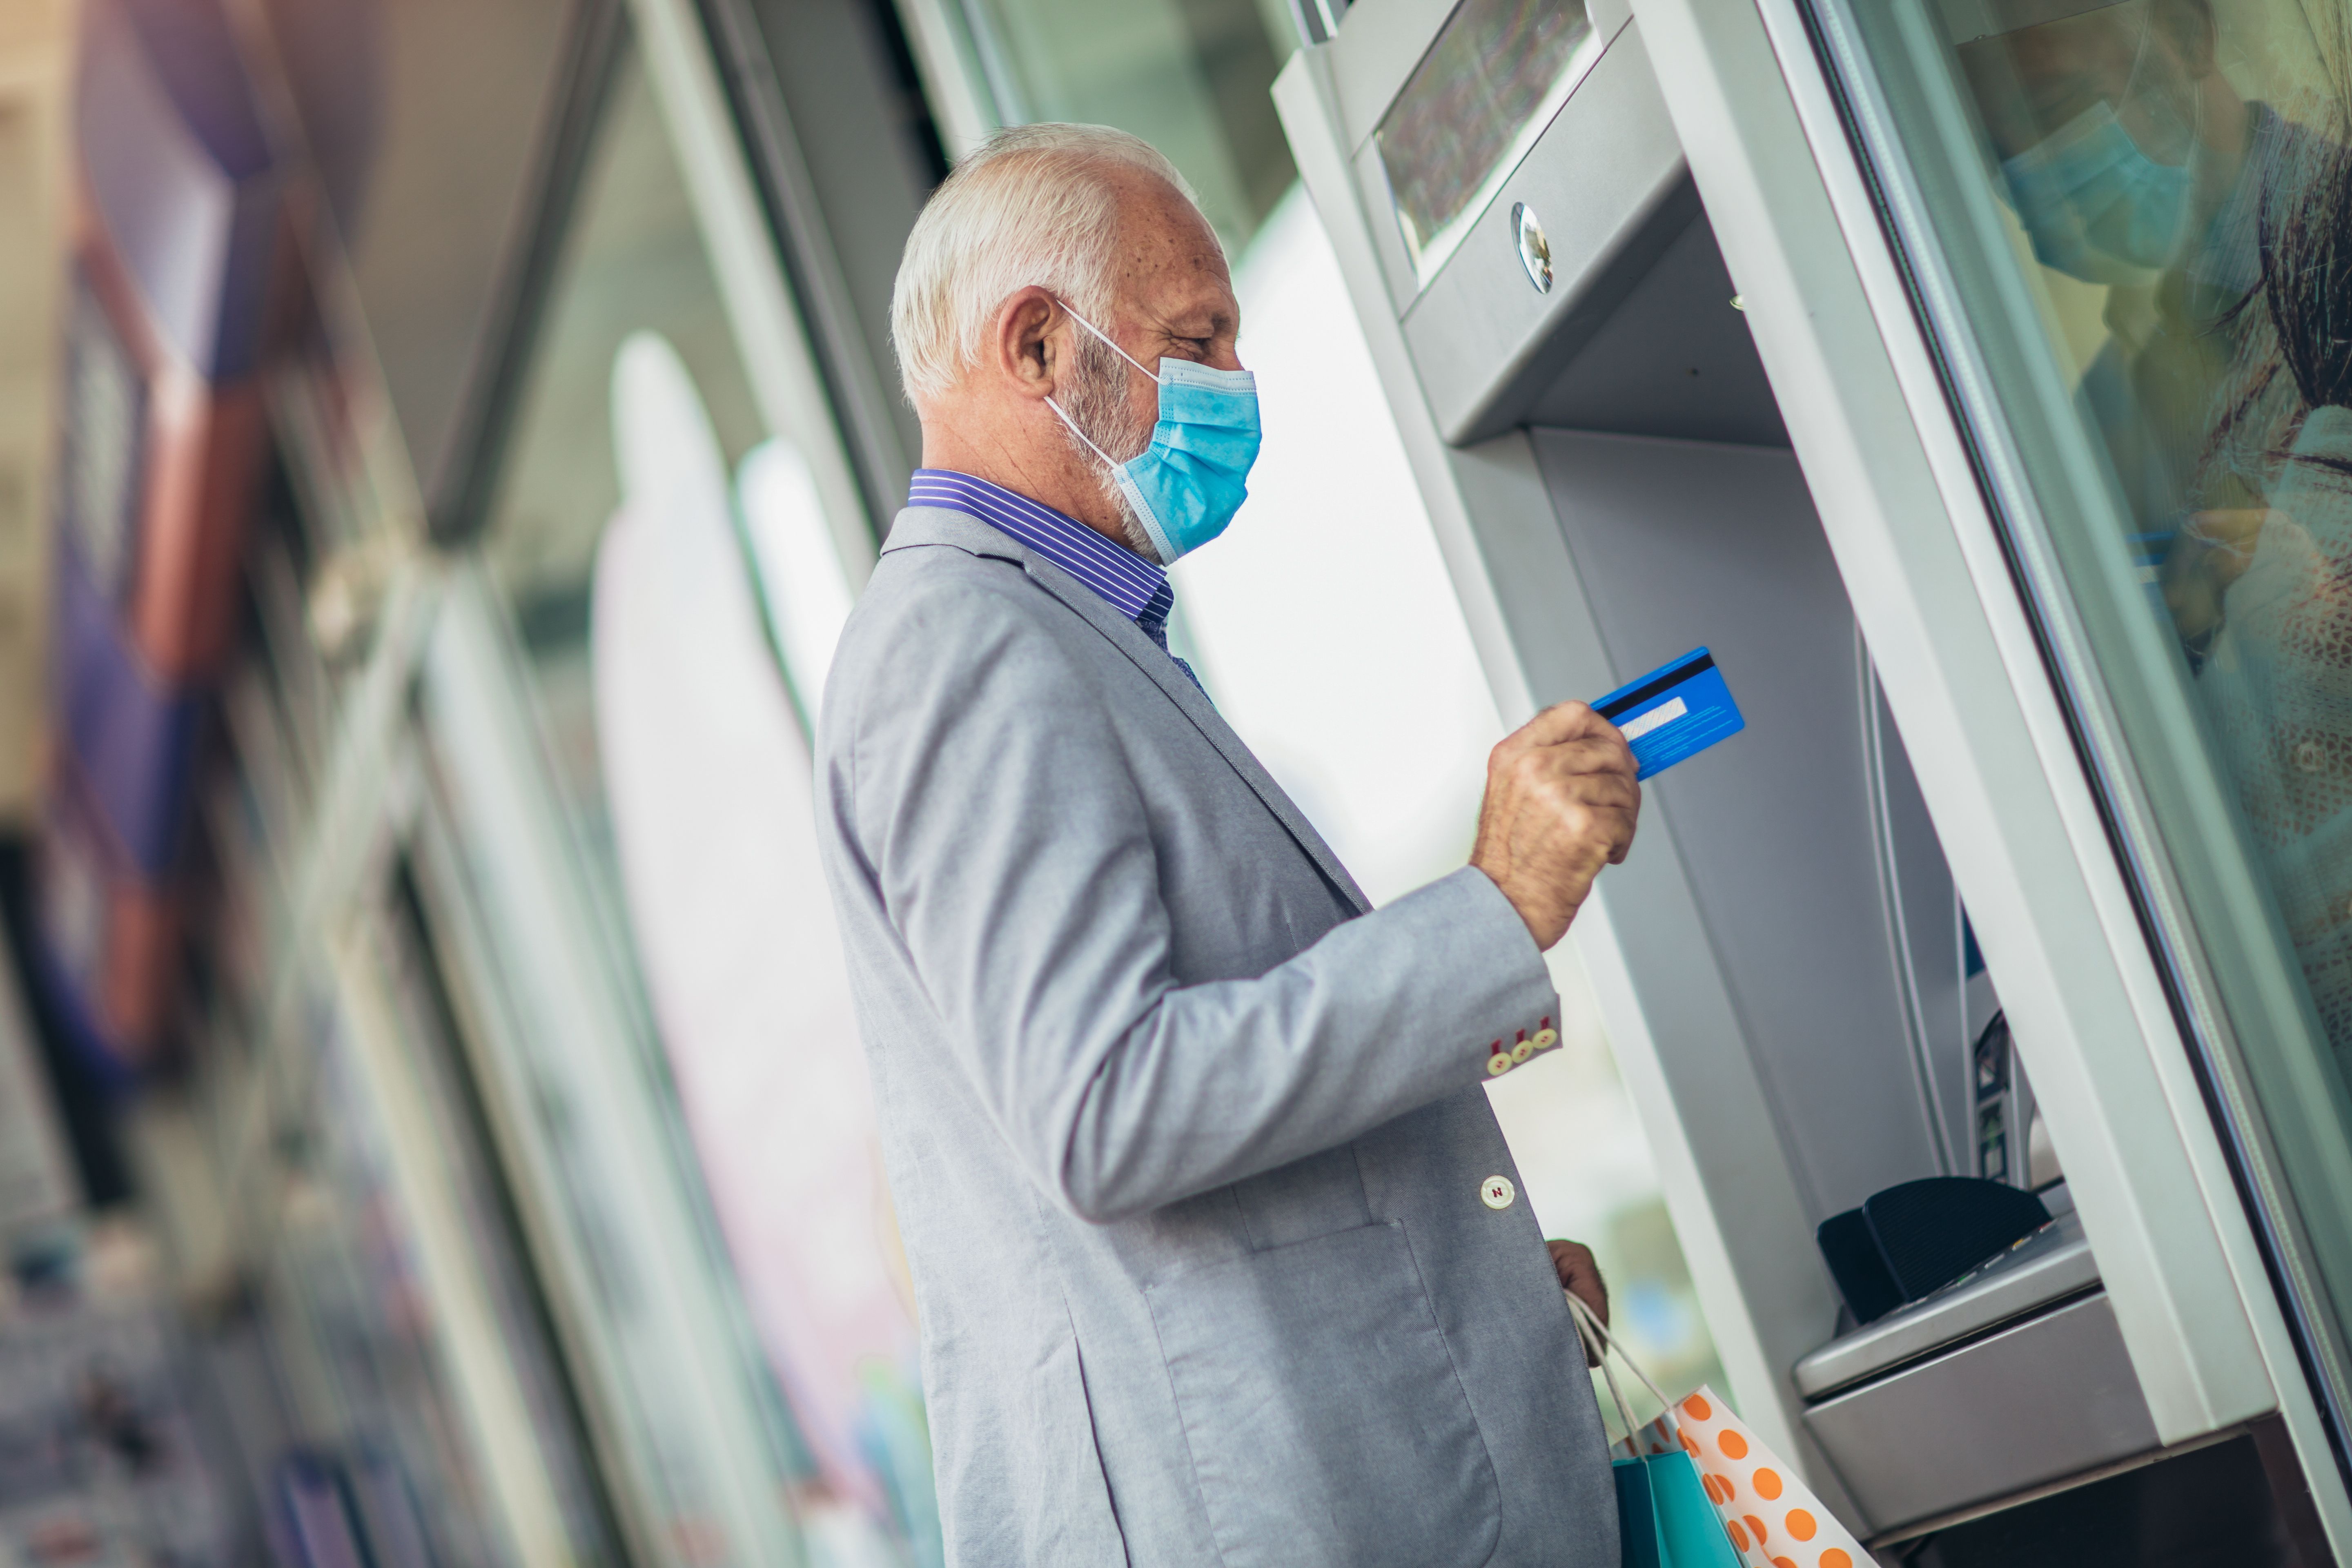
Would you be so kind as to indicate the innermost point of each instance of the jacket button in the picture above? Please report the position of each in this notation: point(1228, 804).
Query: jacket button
point(1545, 1039)
point(1496, 1192)
point(1499, 1064)
point(1523, 1050)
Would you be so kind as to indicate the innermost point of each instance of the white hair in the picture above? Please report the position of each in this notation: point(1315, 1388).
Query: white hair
point(1034, 204)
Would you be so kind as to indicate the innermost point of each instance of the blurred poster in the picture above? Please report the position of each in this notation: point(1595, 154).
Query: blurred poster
point(708, 777)
point(182, 215)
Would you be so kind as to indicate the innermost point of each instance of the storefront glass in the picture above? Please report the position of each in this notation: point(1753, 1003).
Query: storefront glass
point(2129, 222)
point(662, 682)
point(408, 1324)
point(1190, 76)
point(427, 124)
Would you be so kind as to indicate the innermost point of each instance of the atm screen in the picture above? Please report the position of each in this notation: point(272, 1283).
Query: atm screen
point(1498, 73)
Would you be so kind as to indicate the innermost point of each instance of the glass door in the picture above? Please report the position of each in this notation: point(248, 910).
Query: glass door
point(2127, 226)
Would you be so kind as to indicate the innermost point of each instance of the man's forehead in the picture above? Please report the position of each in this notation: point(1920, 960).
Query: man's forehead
point(1158, 222)
point(1170, 258)
point(1196, 298)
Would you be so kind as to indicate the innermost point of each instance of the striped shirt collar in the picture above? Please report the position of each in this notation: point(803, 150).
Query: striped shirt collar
point(1134, 586)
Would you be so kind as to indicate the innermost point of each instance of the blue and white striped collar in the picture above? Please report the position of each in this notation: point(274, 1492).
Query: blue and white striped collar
point(1134, 586)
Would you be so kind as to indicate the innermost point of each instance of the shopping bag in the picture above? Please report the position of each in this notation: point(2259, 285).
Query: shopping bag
point(1664, 1518)
point(1769, 1512)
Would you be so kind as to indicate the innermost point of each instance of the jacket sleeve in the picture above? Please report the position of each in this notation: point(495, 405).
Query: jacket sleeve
point(997, 816)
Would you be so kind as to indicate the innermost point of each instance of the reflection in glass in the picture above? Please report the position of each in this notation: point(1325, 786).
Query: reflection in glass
point(2143, 208)
point(2213, 217)
point(713, 813)
point(663, 673)
point(1498, 73)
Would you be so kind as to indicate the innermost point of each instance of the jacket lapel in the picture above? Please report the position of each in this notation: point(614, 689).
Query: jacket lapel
point(930, 525)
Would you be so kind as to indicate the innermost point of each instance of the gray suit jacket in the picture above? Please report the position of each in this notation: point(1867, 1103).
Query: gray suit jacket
point(1187, 1146)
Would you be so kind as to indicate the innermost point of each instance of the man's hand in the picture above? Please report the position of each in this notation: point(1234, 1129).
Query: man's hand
point(1561, 804)
point(1580, 1276)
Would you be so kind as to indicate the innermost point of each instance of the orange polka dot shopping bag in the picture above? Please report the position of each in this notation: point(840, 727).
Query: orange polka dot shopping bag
point(1771, 1514)
point(1761, 1512)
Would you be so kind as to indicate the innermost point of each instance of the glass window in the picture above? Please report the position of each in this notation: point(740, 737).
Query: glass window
point(1193, 78)
point(2131, 226)
point(385, 1301)
point(422, 121)
point(661, 679)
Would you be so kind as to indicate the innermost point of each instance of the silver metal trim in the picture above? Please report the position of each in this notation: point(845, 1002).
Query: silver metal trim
point(2049, 1266)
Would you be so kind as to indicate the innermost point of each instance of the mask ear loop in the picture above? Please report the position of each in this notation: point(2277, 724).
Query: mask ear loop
point(1106, 338)
point(1122, 353)
point(1081, 434)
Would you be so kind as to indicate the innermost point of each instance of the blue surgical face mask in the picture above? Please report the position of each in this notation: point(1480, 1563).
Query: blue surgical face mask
point(2095, 206)
point(1186, 486)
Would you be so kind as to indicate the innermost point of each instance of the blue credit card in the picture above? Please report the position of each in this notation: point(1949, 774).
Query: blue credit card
point(1677, 710)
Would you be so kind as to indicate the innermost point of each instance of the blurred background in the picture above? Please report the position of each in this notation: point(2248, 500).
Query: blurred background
point(439, 441)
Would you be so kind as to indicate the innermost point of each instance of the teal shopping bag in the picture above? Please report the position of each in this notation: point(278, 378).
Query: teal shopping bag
point(1641, 1542)
point(1663, 1520)
point(1664, 1517)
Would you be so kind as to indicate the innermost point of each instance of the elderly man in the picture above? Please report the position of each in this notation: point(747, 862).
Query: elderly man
point(1217, 1247)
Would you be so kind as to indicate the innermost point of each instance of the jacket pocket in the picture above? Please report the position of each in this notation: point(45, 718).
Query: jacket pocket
point(1327, 1428)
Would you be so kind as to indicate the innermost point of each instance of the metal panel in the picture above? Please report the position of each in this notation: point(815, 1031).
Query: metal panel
point(1609, 183)
point(2049, 1266)
point(1675, 359)
point(1834, 324)
point(1924, 926)
point(1765, 1294)
point(1680, 544)
point(955, 82)
point(2053, 1396)
point(530, 893)
point(1996, 762)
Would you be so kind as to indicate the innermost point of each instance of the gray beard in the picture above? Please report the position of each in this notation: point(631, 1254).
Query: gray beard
point(1131, 528)
point(1097, 404)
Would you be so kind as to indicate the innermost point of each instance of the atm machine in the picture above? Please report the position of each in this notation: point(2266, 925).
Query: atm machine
point(1664, 375)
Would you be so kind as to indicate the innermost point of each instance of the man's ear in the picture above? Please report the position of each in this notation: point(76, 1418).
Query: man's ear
point(1027, 345)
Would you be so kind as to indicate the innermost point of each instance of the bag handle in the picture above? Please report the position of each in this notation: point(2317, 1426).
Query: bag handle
point(1587, 1335)
point(1596, 1338)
